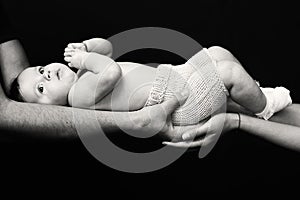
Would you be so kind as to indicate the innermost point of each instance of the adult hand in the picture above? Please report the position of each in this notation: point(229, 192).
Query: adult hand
point(206, 133)
point(157, 118)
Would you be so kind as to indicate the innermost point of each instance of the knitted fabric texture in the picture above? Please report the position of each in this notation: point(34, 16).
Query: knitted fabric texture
point(200, 77)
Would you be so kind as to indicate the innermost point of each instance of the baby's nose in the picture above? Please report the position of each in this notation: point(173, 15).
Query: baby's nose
point(47, 75)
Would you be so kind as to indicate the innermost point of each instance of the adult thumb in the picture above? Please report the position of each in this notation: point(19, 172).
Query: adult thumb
point(178, 99)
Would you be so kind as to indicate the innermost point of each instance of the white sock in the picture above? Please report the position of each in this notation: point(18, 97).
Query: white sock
point(277, 99)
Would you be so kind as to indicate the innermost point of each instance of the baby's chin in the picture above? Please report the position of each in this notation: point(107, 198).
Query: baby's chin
point(59, 102)
point(68, 75)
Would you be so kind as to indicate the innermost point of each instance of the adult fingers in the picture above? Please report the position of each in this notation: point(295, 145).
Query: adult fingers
point(173, 103)
point(199, 130)
point(191, 144)
point(184, 144)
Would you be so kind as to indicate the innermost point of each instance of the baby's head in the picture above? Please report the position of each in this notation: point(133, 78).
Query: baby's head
point(48, 84)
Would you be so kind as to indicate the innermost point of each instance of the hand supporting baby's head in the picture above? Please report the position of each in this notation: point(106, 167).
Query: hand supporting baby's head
point(48, 84)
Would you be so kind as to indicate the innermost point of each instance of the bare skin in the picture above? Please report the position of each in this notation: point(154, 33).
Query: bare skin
point(282, 129)
point(135, 80)
point(49, 121)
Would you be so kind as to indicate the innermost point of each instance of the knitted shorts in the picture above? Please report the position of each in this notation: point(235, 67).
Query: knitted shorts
point(207, 92)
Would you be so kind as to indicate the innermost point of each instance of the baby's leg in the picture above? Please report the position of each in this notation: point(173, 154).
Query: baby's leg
point(244, 91)
point(242, 88)
point(233, 106)
point(219, 54)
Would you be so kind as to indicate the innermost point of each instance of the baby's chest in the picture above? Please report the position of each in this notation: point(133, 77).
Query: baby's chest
point(126, 95)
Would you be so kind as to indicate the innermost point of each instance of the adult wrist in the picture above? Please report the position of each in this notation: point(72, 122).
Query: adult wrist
point(130, 121)
point(233, 120)
point(137, 121)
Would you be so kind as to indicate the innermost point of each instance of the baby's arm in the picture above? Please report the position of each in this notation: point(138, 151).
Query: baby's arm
point(97, 45)
point(105, 74)
point(90, 61)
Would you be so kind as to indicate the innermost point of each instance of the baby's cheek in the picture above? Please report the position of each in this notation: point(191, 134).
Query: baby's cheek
point(61, 98)
point(57, 93)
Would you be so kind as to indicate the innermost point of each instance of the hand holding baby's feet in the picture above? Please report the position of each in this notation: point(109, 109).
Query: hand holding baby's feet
point(75, 58)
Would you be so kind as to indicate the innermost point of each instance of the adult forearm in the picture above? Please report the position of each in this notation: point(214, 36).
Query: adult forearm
point(47, 121)
point(281, 134)
point(13, 60)
point(289, 115)
point(34, 120)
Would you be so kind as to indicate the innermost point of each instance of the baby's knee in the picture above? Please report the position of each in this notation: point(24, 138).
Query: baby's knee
point(217, 49)
point(229, 72)
point(220, 53)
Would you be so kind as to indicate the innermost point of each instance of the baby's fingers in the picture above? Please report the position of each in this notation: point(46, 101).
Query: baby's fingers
point(75, 45)
point(69, 53)
point(70, 65)
point(67, 49)
point(71, 45)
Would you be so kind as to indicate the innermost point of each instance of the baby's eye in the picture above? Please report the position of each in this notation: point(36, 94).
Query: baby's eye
point(41, 70)
point(40, 88)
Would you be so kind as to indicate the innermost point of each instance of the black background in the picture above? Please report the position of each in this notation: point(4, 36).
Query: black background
point(263, 35)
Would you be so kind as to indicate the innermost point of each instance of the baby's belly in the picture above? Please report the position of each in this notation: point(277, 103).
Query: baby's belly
point(132, 91)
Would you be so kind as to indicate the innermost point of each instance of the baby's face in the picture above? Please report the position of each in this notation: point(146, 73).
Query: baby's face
point(48, 84)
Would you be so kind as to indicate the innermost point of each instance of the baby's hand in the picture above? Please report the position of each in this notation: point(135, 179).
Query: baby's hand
point(75, 58)
point(73, 46)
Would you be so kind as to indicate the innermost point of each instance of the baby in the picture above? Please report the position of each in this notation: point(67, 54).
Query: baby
point(210, 76)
